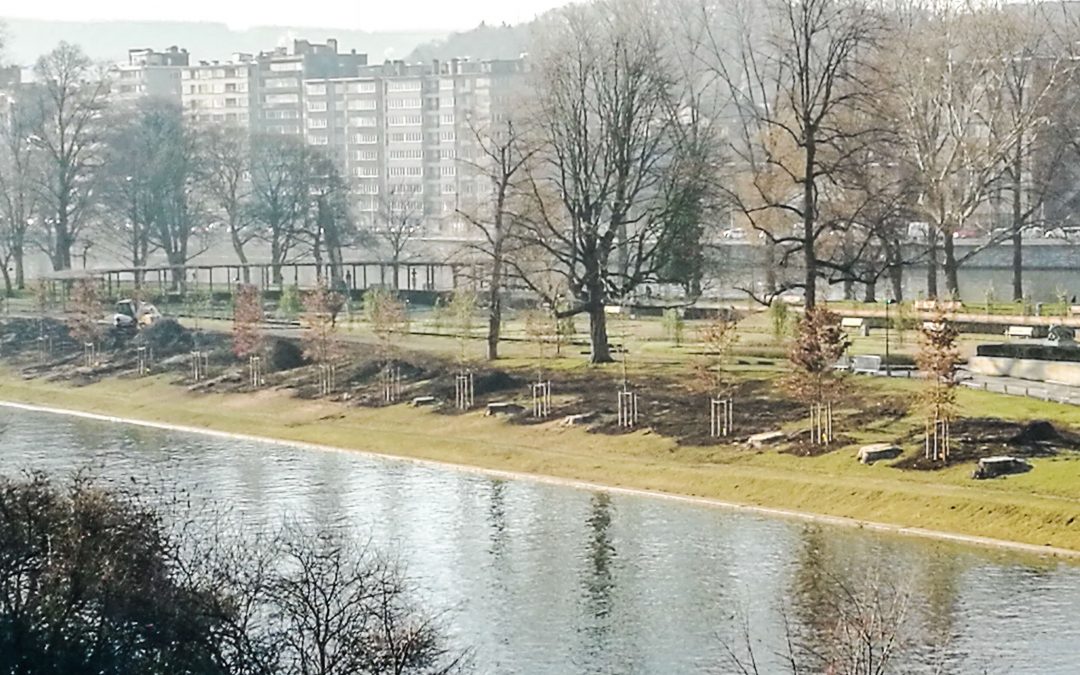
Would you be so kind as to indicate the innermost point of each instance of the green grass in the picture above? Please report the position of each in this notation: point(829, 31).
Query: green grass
point(1040, 508)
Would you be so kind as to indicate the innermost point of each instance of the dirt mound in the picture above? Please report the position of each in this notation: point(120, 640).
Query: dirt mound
point(166, 337)
point(1039, 431)
point(976, 438)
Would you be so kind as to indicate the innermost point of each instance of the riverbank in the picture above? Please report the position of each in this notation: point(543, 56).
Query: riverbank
point(1018, 512)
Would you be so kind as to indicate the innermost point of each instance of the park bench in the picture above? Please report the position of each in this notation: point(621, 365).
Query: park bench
point(931, 305)
point(869, 365)
point(844, 363)
point(1074, 310)
point(1020, 332)
point(859, 324)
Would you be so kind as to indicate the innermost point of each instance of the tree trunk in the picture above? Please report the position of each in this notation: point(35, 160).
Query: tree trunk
point(9, 289)
point(770, 266)
point(276, 255)
point(896, 276)
point(809, 238)
point(849, 289)
point(495, 307)
point(241, 255)
point(20, 260)
point(600, 350)
point(931, 264)
point(1017, 228)
point(871, 292)
point(952, 282)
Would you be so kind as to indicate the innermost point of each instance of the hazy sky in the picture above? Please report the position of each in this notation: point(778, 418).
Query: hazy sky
point(358, 14)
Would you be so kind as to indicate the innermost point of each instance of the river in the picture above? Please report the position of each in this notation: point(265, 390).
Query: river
point(542, 578)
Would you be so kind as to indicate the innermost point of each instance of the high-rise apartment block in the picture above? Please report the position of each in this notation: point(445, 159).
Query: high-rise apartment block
point(149, 73)
point(403, 134)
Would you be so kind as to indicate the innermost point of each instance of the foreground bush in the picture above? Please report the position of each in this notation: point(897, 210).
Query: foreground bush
point(94, 579)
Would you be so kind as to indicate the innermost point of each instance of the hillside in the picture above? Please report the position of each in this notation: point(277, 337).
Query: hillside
point(482, 42)
point(109, 40)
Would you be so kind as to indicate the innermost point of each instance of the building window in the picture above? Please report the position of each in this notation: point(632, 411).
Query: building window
point(366, 139)
point(361, 88)
point(364, 121)
point(447, 170)
point(316, 123)
point(316, 106)
point(286, 66)
point(316, 89)
point(320, 139)
point(403, 103)
point(362, 104)
point(403, 85)
point(399, 171)
point(406, 154)
point(277, 99)
point(367, 155)
point(448, 119)
point(366, 172)
point(448, 136)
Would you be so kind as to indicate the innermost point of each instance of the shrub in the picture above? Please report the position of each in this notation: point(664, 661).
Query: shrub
point(289, 305)
point(286, 355)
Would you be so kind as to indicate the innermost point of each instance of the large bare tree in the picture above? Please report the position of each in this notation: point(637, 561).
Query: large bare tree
point(800, 77)
point(68, 101)
point(279, 194)
point(228, 185)
point(20, 164)
point(616, 173)
point(503, 153)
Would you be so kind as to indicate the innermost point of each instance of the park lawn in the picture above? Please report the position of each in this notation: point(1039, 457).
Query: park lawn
point(1041, 508)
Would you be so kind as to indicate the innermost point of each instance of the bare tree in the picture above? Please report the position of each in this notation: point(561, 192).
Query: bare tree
point(68, 102)
point(328, 223)
point(798, 95)
point(949, 103)
point(398, 223)
point(865, 630)
point(503, 157)
point(228, 185)
point(617, 170)
point(1038, 74)
point(20, 164)
point(321, 306)
point(280, 196)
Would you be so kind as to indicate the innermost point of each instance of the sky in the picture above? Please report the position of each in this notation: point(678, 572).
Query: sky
point(350, 14)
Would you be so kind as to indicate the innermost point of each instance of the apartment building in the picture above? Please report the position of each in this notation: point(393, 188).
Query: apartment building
point(215, 92)
point(149, 73)
point(280, 75)
point(404, 134)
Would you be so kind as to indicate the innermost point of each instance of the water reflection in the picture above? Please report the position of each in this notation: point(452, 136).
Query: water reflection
point(545, 579)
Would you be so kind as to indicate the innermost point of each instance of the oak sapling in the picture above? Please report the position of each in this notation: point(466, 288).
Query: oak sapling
point(937, 359)
point(718, 338)
point(84, 322)
point(819, 343)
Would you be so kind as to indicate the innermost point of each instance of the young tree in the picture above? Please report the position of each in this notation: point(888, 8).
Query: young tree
point(461, 308)
point(718, 338)
point(799, 95)
point(388, 317)
point(247, 321)
point(321, 341)
point(937, 359)
point(68, 101)
point(618, 167)
point(84, 324)
point(502, 160)
point(819, 344)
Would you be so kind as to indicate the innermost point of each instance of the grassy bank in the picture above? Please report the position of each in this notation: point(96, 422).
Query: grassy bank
point(1041, 508)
